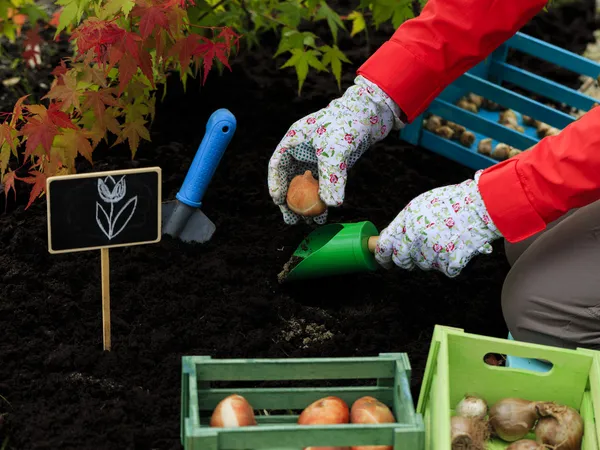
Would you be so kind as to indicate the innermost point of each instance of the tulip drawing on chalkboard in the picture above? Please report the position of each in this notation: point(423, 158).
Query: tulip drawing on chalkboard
point(111, 193)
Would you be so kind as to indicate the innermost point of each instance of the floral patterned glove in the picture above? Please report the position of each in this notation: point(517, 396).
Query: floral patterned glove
point(439, 230)
point(329, 142)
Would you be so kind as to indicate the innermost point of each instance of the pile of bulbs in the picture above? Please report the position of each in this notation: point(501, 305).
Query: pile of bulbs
point(511, 419)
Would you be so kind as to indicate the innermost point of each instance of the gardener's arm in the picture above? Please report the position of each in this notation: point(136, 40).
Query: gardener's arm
point(526, 192)
point(449, 37)
point(443, 229)
point(394, 86)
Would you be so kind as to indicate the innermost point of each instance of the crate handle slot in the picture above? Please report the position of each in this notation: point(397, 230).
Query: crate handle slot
point(539, 367)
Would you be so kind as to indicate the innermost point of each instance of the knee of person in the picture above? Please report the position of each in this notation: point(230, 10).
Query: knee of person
point(529, 314)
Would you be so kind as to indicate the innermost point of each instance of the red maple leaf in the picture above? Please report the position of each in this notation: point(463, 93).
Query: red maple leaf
point(230, 37)
point(60, 70)
point(211, 50)
point(151, 15)
point(9, 183)
point(40, 130)
point(32, 37)
point(127, 69)
point(127, 53)
point(97, 35)
point(185, 48)
point(60, 118)
point(6, 135)
point(17, 110)
point(159, 44)
point(146, 66)
point(38, 180)
point(98, 100)
point(31, 55)
point(127, 44)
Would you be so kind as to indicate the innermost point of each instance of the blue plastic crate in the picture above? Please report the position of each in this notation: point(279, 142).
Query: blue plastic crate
point(485, 80)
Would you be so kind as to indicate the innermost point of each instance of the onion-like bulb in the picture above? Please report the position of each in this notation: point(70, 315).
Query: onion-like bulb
point(559, 426)
point(303, 196)
point(468, 433)
point(512, 418)
point(526, 444)
point(471, 406)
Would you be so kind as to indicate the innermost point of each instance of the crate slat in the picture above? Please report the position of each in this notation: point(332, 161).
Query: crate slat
point(454, 151)
point(542, 86)
point(261, 419)
point(292, 398)
point(480, 125)
point(295, 369)
point(555, 55)
point(518, 102)
point(300, 436)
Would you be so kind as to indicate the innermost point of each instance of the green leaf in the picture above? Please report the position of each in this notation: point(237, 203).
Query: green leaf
point(333, 19)
point(358, 22)
point(333, 56)
point(309, 39)
point(4, 5)
point(5, 153)
point(293, 39)
point(397, 11)
point(71, 14)
point(34, 13)
point(292, 14)
point(401, 14)
point(312, 4)
point(381, 14)
point(301, 60)
point(112, 7)
point(9, 31)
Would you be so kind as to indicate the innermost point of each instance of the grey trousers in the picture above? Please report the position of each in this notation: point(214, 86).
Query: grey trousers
point(551, 295)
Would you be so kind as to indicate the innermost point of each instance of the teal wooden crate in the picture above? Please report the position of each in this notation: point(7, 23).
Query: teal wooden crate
point(485, 79)
point(456, 366)
point(390, 373)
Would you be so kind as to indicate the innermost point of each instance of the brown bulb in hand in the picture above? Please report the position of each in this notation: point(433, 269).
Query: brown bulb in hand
point(303, 196)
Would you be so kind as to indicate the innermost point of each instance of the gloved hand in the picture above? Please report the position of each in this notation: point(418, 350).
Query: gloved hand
point(442, 229)
point(329, 142)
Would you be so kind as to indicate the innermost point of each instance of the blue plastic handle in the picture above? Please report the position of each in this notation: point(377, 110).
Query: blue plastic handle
point(219, 130)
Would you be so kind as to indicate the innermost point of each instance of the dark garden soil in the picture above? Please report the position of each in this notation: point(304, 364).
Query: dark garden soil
point(222, 298)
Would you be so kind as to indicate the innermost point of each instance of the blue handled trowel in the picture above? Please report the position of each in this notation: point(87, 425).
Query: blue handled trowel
point(182, 218)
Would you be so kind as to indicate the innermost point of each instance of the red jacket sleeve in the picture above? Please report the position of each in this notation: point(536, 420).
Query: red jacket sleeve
point(426, 54)
point(449, 37)
point(525, 193)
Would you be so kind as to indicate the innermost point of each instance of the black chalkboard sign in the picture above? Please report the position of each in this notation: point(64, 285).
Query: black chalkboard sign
point(104, 209)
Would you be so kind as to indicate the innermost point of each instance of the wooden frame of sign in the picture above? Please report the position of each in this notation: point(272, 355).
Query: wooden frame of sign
point(103, 210)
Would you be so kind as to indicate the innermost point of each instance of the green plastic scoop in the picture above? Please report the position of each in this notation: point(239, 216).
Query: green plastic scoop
point(333, 249)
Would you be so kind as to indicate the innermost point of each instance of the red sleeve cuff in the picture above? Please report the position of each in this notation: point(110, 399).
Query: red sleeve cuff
point(506, 201)
point(393, 67)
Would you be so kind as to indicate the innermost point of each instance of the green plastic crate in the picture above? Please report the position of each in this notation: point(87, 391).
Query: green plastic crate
point(455, 367)
point(391, 385)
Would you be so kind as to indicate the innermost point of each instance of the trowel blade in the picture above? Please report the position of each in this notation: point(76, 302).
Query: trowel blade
point(198, 227)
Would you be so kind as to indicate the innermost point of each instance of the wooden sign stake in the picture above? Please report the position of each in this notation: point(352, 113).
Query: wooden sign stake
point(105, 273)
point(103, 210)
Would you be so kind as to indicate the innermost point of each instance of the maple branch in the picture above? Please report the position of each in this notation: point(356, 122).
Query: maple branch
point(213, 7)
point(248, 14)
